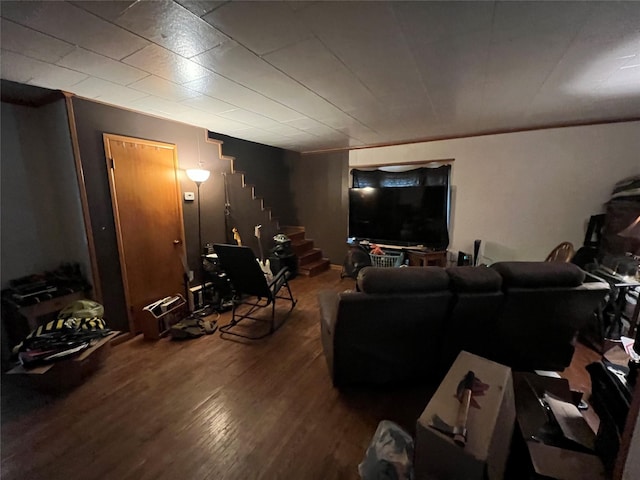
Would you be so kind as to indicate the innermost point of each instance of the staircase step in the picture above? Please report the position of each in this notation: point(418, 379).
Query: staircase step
point(295, 236)
point(313, 269)
point(301, 246)
point(293, 228)
point(311, 256)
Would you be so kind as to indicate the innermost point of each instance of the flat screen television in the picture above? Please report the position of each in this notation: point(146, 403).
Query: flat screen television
point(405, 216)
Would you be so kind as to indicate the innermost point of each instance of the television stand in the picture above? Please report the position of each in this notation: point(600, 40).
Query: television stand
point(418, 256)
point(426, 258)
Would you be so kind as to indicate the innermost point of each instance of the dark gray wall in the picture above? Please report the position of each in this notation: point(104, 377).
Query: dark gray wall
point(42, 223)
point(92, 120)
point(309, 191)
point(266, 168)
point(319, 184)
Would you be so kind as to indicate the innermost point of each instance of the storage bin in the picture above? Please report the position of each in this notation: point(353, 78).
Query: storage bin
point(390, 259)
point(160, 315)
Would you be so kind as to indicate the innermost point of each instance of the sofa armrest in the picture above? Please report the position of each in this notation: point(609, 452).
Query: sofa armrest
point(328, 301)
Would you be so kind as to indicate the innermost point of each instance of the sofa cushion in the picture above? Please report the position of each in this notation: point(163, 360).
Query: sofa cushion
point(474, 279)
point(539, 274)
point(402, 280)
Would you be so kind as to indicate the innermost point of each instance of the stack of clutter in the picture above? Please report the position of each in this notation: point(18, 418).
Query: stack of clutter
point(78, 326)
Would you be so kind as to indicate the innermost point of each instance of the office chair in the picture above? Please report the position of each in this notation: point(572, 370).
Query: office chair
point(251, 288)
point(562, 253)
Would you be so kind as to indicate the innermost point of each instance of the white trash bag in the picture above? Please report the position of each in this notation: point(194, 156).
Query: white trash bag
point(389, 455)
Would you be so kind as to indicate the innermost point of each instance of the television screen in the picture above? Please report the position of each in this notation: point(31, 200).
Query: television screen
point(400, 215)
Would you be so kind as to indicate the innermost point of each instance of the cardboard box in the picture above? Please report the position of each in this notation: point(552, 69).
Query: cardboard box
point(562, 448)
point(490, 425)
point(70, 372)
point(160, 315)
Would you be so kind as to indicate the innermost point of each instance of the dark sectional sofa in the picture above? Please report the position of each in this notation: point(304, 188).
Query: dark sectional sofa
point(408, 324)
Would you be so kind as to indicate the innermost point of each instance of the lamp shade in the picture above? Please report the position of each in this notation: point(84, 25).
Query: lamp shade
point(198, 175)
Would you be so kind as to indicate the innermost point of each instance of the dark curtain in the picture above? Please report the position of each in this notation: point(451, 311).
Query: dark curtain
point(417, 177)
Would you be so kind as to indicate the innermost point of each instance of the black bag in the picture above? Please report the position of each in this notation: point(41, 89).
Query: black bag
point(357, 258)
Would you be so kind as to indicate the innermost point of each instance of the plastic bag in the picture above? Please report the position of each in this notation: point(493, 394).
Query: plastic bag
point(389, 455)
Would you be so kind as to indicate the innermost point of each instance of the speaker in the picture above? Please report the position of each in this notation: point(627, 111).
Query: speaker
point(464, 259)
point(476, 250)
point(277, 262)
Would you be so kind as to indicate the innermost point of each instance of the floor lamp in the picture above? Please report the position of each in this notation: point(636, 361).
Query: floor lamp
point(199, 175)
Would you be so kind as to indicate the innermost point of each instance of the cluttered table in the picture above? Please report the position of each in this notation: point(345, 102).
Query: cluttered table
point(32, 299)
point(610, 314)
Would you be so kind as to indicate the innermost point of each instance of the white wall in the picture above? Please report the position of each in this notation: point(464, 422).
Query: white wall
point(42, 223)
point(524, 193)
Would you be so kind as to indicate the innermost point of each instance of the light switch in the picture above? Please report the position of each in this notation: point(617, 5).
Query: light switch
point(189, 196)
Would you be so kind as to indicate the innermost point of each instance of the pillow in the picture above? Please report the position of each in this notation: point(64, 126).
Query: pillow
point(474, 279)
point(402, 279)
point(539, 274)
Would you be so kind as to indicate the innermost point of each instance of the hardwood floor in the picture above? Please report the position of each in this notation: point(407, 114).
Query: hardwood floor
point(210, 408)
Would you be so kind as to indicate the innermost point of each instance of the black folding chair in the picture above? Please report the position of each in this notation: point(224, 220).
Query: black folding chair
point(250, 287)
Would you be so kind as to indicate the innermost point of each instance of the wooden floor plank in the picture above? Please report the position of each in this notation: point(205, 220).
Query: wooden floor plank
point(210, 408)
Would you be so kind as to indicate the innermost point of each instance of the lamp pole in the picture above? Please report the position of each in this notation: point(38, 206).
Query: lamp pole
point(200, 250)
point(200, 236)
point(198, 176)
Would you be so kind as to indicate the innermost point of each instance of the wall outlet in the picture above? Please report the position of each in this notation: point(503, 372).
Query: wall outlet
point(189, 196)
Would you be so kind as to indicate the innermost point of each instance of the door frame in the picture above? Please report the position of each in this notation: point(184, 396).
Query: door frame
point(106, 137)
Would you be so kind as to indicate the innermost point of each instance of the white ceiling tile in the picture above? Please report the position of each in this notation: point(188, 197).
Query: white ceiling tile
point(209, 104)
point(626, 75)
point(305, 60)
point(297, 5)
point(274, 85)
point(163, 88)
point(274, 110)
point(31, 43)
point(163, 63)
point(295, 96)
point(74, 25)
point(610, 23)
point(18, 68)
point(219, 124)
point(109, 10)
point(200, 7)
point(355, 131)
point(249, 118)
point(342, 89)
point(427, 22)
point(166, 23)
point(219, 87)
point(234, 61)
point(582, 70)
point(261, 26)
point(347, 24)
point(336, 73)
point(106, 91)
point(512, 20)
point(305, 123)
point(388, 65)
point(283, 129)
point(100, 66)
point(158, 105)
point(193, 117)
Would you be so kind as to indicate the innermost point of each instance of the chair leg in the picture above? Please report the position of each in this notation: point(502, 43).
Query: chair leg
point(237, 318)
point(273, 316)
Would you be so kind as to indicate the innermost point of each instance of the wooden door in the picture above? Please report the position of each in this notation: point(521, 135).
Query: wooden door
point(147, 208)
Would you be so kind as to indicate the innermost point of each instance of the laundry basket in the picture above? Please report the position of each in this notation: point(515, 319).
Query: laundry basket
point(390, 259)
